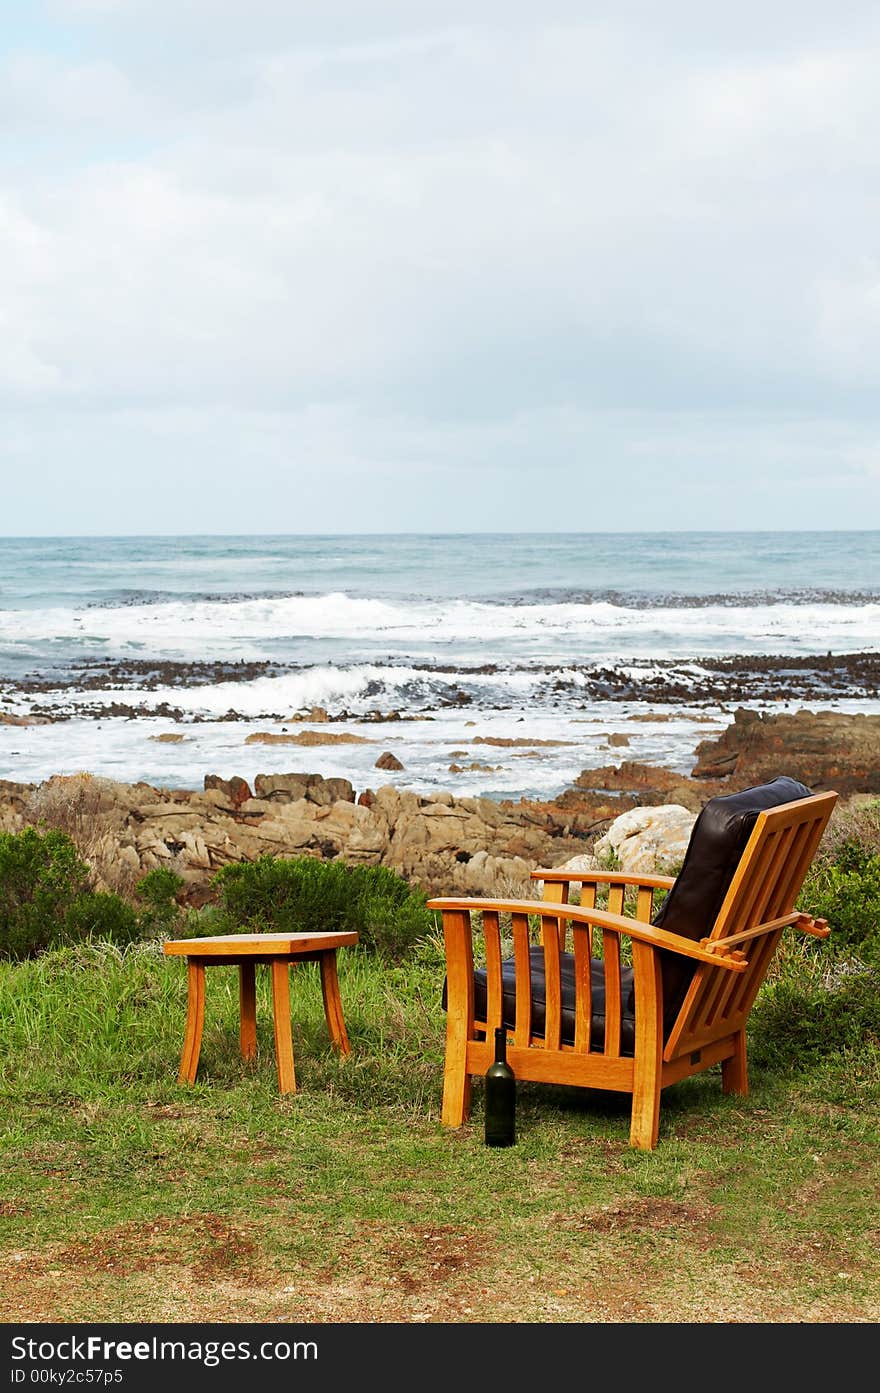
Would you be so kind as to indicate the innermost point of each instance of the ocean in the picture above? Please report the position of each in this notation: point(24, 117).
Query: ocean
point(493, 665)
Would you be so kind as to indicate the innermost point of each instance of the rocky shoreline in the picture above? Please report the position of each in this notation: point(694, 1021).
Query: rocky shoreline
point(441, 842)
point(698, 681)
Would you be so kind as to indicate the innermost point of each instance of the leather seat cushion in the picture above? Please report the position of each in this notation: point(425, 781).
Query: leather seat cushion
point(539, 998)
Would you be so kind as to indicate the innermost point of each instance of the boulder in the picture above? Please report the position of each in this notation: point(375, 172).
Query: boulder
point(824, 749)
point(388, 761)
point(649, 840)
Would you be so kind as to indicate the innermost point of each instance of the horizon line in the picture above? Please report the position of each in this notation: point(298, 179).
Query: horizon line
point(477, 532)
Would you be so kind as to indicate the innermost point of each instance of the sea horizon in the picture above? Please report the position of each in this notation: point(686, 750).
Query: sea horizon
point(458, 532)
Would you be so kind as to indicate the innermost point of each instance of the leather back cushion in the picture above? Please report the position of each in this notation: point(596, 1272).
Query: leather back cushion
point(716, 845)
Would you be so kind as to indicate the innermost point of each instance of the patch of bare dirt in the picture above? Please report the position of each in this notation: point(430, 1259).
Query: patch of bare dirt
point(433, 1255)
point(212, 1245)
point(659, 1215)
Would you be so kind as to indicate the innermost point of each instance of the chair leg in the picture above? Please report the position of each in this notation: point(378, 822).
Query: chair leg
point(247, 997)
point(735, 1071)
point(195, 1020)
point(333, 1002)
point(281, 1013)
point(456, 1079)
point(648, 1061)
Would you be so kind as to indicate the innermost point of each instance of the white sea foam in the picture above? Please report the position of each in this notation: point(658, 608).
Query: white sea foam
point(276, 627)
point(128, 750)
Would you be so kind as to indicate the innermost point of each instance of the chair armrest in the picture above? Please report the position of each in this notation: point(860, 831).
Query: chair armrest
point(600, 918)
point(651, 882)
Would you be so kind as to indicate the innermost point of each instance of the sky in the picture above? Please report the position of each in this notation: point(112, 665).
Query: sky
point(411, 266)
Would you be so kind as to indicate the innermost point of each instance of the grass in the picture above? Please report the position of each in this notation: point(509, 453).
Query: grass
point(124, 1197)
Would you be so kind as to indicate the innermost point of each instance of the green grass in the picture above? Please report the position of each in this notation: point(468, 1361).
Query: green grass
point(125, 1197)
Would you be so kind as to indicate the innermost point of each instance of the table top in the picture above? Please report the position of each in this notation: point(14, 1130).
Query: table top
point(266, 945)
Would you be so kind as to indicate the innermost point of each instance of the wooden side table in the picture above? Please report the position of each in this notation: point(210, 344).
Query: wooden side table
point(245, 951)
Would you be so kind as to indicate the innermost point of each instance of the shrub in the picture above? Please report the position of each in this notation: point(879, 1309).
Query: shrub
point(158, 890)
point(301, 894)
point(84, 807)
point(45, 900)
point(798, 1023)
point(41, 875)
point(101, 914)
point(846, 892)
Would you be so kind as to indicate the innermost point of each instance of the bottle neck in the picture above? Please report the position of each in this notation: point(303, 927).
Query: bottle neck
point(500, 1046)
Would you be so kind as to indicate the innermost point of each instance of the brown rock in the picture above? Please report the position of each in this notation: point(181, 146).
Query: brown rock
point(306, 737)
point(824, 749)
point(515, 740)
point(388, 761)
point(629, 776)
point(288, 788)
point(236, 790)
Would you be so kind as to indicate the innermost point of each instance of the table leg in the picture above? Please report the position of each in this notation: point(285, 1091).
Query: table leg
point(195, 1019)
point(247, 997)
point(281, 1011)
point(333, 1002)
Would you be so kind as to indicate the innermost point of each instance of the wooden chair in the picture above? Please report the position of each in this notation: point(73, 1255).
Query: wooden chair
point(579, 1013)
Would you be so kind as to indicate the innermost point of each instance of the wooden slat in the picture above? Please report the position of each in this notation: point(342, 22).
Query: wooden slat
point(494, 989)
point(552, 984)
point(588, 895)
point(583, 990)
point(549, 877)
point(458, 940)
point(556, 892)
point(718, 996)
point(750, 982)
point(759, 876)
point(611, 946)
point(647, 1073)
point(645, 904)
point(615, 899)
point(523, 1029)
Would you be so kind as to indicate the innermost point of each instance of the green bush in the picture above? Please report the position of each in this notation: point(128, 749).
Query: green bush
point(41, 875)
point(100, 914)
point(798, 1023)
point(302, 894)
point(46, 902)
point(158, 891)
point(846, 892)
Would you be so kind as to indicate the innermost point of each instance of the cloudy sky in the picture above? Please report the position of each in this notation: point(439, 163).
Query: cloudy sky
point(403, 265)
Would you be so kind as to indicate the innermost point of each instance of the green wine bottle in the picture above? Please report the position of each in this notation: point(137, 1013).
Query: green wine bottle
point(500, 1096)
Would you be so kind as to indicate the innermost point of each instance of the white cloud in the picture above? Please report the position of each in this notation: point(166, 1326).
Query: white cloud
point(391, 238)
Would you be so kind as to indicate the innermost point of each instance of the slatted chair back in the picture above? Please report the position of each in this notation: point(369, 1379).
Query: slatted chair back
point(756, 909)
